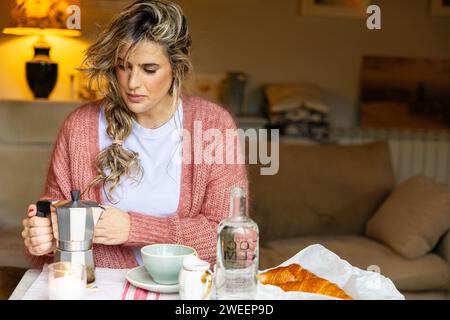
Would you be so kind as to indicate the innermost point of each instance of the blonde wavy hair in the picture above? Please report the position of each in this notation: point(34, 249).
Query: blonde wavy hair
point(158, 21)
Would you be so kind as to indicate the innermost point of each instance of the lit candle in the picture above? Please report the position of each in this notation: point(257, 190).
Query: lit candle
point(66, 281)
point(66, 288)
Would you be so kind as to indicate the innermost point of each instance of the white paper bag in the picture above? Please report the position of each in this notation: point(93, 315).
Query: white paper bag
point(359, 284)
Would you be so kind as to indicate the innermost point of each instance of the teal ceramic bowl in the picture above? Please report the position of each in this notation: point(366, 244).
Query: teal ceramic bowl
point(164, 261)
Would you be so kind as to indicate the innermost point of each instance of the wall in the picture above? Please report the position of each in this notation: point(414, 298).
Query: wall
point(270, 41)
point(27, 133)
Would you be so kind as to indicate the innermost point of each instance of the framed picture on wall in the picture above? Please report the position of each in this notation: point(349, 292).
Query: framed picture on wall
point(356, 9)
point(405, 93)
point(440, 8)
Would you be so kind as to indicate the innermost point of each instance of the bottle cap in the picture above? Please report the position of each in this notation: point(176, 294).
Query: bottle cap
point(193, 263)
point(238, 202)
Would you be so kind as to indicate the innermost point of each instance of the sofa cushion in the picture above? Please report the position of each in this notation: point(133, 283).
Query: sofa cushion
point(443, 247)
point(413, 218)
point(429, 272)
point(320, 189)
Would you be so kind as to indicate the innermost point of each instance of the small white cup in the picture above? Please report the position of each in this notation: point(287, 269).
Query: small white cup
point(66, 281)
point(195, 279)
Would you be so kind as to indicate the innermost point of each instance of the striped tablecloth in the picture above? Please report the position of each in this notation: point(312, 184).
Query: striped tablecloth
point(110, 284)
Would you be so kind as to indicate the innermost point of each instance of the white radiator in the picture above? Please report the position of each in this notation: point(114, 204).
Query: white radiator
point(413, 152)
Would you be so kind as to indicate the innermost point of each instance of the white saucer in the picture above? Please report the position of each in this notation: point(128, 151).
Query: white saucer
point(139, 277)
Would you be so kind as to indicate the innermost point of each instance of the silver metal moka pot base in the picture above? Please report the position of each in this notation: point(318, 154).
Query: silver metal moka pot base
point(74, 246)
point(82, 257)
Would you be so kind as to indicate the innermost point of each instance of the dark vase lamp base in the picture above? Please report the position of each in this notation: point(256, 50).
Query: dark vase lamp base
point(41, 73)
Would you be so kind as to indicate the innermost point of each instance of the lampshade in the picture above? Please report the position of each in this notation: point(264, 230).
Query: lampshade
point(31, 17)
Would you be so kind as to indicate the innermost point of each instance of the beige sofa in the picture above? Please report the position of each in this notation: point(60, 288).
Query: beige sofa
point(326, 194)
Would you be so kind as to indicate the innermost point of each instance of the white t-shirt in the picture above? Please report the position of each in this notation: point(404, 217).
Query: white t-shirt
point(159, 150)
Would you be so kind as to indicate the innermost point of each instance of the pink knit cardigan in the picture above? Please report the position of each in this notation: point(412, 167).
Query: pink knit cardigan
point(205, 189)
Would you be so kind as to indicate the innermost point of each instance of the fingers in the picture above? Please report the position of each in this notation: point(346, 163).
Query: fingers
point(28, 244)
point(105, 214)
point(100, 240)
point(35, 222)
point(100, 232)
point(41, 249)
point(109, 211)
point(109, 241)
point(33, 232)
point(39, 245)
point(39, 240)
point(37, 236)
point(32, 209)
point(25, 233)
point(39, 222)
point(37, 233)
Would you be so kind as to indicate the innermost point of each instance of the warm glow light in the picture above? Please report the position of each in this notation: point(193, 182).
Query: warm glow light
point(44, 14)
point(44, 32)
point(67, 52)
point(33, 8)
point(43, 18)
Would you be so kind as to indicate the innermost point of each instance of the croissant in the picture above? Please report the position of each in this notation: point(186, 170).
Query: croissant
point(295, 278)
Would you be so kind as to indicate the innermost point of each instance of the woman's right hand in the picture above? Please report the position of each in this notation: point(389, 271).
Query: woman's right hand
point(38, 234)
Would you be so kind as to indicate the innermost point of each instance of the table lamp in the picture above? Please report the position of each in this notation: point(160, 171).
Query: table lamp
point(42, 17)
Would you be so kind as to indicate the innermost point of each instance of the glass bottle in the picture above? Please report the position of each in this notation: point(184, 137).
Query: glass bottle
point(237, 252)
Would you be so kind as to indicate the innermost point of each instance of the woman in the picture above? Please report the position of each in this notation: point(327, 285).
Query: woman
point(120, 150)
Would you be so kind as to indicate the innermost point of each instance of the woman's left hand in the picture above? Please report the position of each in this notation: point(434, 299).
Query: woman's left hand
point(113, 227)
